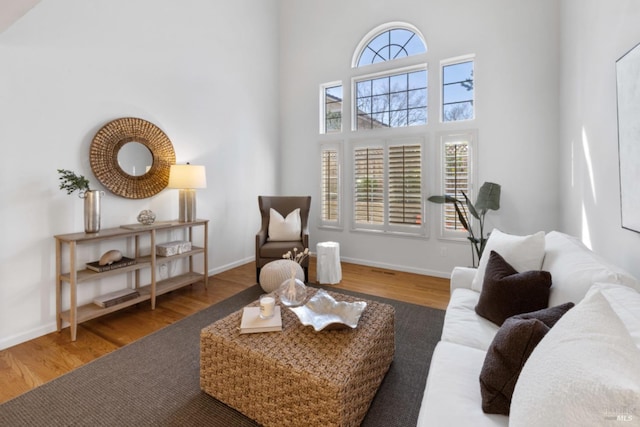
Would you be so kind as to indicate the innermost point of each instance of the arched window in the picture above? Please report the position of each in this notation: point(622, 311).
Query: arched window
point(395, 97)
point(388, 42)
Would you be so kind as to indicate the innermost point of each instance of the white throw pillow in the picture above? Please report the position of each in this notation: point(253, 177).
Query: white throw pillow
point(575, 268)
point(284, 229)
point(625, 302)
point(584, 372)
point(523, 253)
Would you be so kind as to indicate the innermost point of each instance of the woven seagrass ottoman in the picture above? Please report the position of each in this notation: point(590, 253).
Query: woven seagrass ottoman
point(299, 376)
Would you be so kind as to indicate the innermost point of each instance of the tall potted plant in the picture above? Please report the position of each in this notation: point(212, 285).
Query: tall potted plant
point(488, 199)
point(70, 182)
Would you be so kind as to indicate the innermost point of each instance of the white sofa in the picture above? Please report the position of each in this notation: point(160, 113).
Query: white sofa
point(452, 394)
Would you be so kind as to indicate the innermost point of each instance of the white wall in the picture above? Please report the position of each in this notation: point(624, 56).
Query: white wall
point(594, 35)
point(204, 72)
point(516, 44)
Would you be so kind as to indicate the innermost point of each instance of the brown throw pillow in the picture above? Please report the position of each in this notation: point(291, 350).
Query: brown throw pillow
point(505, 292)
point(507, 354)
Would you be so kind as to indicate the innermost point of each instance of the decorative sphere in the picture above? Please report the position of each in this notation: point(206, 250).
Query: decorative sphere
point(292, 292)
point(146, 217)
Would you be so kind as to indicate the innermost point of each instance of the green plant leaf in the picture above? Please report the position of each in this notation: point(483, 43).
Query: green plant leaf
point(488, 197)
point(472, 209)
point(461, 217)
point(443, 199)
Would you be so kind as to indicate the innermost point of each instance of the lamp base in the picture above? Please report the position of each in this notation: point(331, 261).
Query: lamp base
point(187, 205)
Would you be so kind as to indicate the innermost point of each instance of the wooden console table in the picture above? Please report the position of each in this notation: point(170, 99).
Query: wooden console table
point(78, 274)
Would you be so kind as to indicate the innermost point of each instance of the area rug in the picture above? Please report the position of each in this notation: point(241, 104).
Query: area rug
point(155, 380)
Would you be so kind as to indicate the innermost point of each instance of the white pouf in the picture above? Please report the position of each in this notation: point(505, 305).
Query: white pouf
point(274, 273)
point(328, 269)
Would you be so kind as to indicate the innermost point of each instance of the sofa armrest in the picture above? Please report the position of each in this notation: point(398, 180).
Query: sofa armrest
point(461, 277)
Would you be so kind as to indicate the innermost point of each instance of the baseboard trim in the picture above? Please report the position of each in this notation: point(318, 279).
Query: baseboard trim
point(27, 336)
point(403, 268)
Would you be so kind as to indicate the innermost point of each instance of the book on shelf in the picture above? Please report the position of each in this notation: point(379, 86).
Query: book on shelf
point(117, 297)
point(124, 262)
point(251, 322)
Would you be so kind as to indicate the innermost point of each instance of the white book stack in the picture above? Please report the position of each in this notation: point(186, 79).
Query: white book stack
point(252, 323)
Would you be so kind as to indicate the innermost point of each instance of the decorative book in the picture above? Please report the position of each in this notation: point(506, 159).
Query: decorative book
point(252, 323)
point(124, 262)
point(117, 297)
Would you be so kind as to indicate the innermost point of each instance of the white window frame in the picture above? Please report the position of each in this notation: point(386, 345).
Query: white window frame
point(471, 135)
point(336, 146)
point(453, 61)
point(420, 230)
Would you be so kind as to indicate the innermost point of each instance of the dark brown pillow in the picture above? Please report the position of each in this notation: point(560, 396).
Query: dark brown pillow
point(505, 292)
point(507, 354)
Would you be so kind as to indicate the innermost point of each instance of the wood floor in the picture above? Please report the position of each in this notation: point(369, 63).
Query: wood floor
point(28, 365)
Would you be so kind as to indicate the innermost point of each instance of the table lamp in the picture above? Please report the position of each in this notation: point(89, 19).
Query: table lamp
point(187, 178)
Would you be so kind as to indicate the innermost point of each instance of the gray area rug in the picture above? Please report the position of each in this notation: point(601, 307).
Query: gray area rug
point(155, 380)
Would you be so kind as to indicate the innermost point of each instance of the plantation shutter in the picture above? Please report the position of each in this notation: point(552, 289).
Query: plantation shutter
point(369, 185)
point(330, 185)
point(456, 180)
point(405, 184)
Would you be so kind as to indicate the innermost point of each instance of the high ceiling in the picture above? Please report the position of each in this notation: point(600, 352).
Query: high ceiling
point(12, 10)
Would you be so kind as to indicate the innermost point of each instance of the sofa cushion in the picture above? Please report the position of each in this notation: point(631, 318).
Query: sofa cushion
point(524, 253)
point(506, 292)
point(507, 354)
point(461, 323)
point(452, 396)
point(575, 269)
point(585, 371)
point(284, 229)
point(625, 302)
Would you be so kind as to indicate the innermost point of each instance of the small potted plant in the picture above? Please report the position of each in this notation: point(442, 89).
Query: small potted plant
point(71, 182)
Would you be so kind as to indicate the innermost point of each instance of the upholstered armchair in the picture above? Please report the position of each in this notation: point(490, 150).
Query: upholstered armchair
point(275, 239)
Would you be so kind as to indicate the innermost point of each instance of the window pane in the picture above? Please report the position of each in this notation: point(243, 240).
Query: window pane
point(417, 116)
point(396, 101)
point(418, 80)
point(390, 45)
point(333, 109)
point(405, 184)
point(380, 86)
point(398, 83)
point(363, 88)
point(457, 92)
point(330, 186)
point(369, 185)
point(457, 175)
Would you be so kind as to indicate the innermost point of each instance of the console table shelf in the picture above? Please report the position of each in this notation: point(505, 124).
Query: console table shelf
point(75, 276)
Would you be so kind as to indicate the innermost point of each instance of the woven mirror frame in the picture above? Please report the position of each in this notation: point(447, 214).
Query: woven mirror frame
point(106, 145)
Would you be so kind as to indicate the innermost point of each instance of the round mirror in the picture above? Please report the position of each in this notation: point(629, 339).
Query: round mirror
point(135, 158)
point(121, 152)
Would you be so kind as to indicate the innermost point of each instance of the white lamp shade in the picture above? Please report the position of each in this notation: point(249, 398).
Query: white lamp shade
point(187, 176)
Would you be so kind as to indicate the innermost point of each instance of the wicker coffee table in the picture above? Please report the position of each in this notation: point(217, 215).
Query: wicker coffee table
point(299, 376)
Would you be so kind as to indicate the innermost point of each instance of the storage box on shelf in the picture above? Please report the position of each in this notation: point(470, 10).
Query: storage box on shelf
point(76, 275)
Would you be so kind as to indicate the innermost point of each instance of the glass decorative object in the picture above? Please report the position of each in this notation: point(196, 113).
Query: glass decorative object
point(292, 292)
